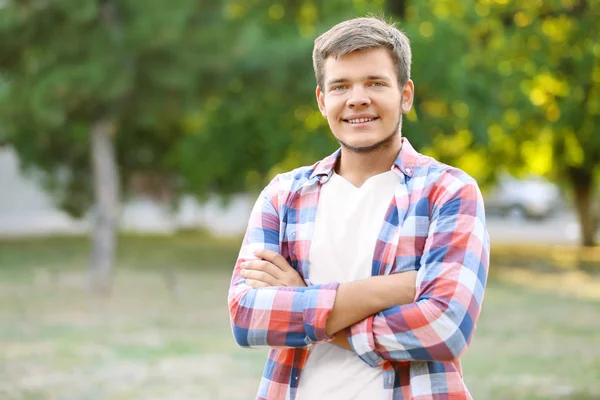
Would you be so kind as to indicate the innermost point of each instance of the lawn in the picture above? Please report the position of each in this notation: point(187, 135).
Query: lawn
point(164, 333)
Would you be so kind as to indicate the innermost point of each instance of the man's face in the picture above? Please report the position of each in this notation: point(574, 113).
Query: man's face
point(361, 99)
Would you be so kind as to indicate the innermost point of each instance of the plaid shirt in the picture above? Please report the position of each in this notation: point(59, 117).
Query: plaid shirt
point(435, 224)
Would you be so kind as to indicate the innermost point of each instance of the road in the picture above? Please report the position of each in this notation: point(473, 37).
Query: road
point(562, 229)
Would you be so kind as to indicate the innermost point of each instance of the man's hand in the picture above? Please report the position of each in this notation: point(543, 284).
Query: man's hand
point(271, 270)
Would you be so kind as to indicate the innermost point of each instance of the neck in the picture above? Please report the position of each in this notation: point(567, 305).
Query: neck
point(356, 168)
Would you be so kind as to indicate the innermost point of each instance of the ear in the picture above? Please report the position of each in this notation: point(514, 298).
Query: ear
point(321, 101)
point(408, 95)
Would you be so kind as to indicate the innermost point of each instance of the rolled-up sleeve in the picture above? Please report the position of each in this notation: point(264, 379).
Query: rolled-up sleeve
point(275, 316)
point(451, 280)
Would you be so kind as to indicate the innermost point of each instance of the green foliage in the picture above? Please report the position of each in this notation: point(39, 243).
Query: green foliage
point(506, 83)
point(511, 85)
point(69, 63)
point(219, 96)
point(265, 119)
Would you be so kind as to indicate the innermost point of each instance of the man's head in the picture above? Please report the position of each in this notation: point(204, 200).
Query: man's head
point(362, 68)
point(363, 34)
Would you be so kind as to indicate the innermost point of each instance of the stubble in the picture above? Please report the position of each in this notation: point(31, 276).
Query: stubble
point(382, 144)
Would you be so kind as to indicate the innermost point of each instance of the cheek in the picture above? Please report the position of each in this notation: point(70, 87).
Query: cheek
point(332, 108)
point(397, 107)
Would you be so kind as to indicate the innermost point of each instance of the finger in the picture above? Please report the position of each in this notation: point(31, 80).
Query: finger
point(260, 276)
point(274, 258)
point(254, 284)
point(265, 266)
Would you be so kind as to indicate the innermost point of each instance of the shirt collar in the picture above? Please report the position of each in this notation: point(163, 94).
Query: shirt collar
point(405, 162)
point(407, 158)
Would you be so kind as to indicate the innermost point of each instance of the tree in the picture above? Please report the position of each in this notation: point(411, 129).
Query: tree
point(552, 52)
point(265, 120)
point(511, 85)
point(93, 97)
point(499, 85)
point(216, 97)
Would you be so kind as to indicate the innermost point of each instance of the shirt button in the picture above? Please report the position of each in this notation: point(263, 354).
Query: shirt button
point(408, 170)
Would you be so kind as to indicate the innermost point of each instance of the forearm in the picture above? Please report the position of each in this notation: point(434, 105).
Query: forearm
point(437, 327)
point(429, 330)
point(398, 288)
point(358, 300)
point(451, 282)
point(341, 340)
point(280, 316)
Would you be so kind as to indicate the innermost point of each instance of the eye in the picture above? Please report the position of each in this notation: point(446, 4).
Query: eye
point(379, 84)
point(338, 87)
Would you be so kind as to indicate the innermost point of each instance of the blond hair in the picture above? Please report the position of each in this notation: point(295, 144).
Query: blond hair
point(362, 34)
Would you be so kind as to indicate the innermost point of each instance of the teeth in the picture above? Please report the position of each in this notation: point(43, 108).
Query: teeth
point(360, 120)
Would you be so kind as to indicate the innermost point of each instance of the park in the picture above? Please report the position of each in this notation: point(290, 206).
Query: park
point(106, 102)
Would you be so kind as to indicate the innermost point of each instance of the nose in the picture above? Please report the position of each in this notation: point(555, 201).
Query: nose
point(358, 98)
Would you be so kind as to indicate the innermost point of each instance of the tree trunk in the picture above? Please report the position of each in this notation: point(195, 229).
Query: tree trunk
point(106, 210)
point(397, 8)
point(582, 182)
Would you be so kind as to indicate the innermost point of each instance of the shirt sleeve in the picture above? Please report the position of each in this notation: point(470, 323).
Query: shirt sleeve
point(275, 316)
point(451, 280)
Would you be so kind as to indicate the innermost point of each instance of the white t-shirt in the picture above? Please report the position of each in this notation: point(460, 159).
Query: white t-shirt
point(347, 225)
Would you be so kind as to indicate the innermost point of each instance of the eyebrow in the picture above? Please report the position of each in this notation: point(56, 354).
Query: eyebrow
point(377, 78)
point(367, 78)
point(333, 81)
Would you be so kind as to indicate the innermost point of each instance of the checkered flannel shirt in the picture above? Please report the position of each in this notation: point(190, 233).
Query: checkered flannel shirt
point(435, 224)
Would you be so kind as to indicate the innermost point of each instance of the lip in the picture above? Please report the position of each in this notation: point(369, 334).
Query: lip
point(356, 116)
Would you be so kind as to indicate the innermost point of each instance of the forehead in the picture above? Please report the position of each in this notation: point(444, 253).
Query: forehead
point(357, 64)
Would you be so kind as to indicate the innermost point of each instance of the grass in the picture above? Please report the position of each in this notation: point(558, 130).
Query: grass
point(151, 340)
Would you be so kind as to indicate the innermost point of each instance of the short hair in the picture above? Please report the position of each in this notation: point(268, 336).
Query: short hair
point(362, 34)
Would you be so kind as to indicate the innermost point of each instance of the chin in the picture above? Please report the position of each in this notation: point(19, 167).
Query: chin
point(360, 144)
point(354, 141)
point(363, 143)
point(360, 147)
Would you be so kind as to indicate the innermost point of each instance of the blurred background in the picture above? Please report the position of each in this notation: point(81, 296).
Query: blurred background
point(136, 134)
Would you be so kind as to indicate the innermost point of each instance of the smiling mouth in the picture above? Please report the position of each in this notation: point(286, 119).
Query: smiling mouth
point(360, 120)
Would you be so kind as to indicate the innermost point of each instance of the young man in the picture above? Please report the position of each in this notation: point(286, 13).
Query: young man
point(365, 272)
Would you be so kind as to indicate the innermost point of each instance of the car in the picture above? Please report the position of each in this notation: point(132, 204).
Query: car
point(533, 197)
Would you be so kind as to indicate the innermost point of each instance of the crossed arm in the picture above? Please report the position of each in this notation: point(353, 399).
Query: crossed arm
point(354, 300)
point(379, 323)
